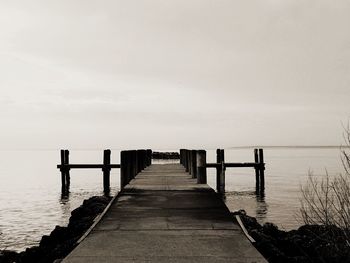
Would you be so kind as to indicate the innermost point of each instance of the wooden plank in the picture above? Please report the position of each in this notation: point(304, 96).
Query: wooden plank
point(234, 165)
point(87, 166)
point(163, 215)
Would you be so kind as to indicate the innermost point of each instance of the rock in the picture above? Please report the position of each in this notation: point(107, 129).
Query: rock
point(62, 240)
point(8, 256)
point(309, 243)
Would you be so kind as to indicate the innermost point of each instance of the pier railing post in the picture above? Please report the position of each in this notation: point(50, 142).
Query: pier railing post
point(262, 169)
point(257, 170)
point(149, 157)
point(63, 172)
point(123, 169)
point(182, 156)
point(144, 156)
point(201, 157)
point(106, 171)
point(134, 164)
point(66, 162)
point(194, 163)
point(222, 169)
point(218, 161)
point(190, 162)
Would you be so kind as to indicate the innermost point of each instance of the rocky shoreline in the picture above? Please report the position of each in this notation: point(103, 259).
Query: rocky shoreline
point(62, 240)
point(309, 243)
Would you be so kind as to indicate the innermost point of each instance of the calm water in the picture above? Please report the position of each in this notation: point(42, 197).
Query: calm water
point(31, 205)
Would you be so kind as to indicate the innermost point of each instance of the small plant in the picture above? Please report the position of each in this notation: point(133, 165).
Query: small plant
point(326, 200)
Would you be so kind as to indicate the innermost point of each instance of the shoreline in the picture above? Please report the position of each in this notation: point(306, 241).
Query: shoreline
point(308, 243)
point(62, 240)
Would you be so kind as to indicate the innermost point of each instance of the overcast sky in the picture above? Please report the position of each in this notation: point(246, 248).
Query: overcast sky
point(169, 74)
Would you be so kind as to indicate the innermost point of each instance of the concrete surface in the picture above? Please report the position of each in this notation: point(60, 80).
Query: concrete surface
point(165, 216)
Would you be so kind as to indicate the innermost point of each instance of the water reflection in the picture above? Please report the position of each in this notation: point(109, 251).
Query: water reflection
point(253, 202)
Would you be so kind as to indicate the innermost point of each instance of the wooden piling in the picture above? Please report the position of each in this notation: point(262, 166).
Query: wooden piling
point(201, 157)
point(66, 162)
point(189, 161)
point(149, 157)
point(194, 163)
point(182, 156)
point(218, 160)
point(106, 171)
point(63, 173)
point(132, 165)
point(222, 178)
point(262, 169)
point(123, 169)
point(222, 172)
point(257, 170)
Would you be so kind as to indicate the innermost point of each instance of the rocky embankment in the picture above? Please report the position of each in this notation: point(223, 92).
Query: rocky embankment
point(62, 240)
point(309, 243)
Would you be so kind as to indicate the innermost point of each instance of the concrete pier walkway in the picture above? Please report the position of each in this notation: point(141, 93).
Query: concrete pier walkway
point(163, 215)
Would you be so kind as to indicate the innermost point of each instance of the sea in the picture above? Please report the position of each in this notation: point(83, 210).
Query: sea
point(31, 204)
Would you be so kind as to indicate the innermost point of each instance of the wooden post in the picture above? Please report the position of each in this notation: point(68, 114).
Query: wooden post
point(222, 172)
point(144, 156)
point(218, 161)
point(262, 168)
point(131, 165)
point(190, 161)
point(137, 162)
point(66, 161)
point(201, 167)
point(134, 164)
point(106, 171)
point(186, 160)
point(194, 164)
point(149, 157)
point(123, 169)
point(182, 156)
point(257, 170)
point(222, 178)
point(63, 173)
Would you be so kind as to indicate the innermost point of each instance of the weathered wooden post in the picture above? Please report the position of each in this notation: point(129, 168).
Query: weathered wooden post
point(149, 157)
point(194, 163)
point(222, 180)
point(218, 161)
point(134, 161)
point(262, 169)
point(63, 172)
point(186, 160)
point(201, 167)
point(190, 162)
point(182, 156)
point(257, 170)
point(132, 164)
point(144, 155)
point(67, 172)
point(137, 162)
point(123, 169)
point(106, 171)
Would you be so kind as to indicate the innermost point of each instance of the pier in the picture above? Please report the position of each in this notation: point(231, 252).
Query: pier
point(165, 214)
point(133, 162)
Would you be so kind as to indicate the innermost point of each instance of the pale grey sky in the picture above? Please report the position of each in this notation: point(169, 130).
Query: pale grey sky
point(168, 74)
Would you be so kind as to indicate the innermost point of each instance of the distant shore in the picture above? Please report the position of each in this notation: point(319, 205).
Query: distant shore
point(291, 147)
